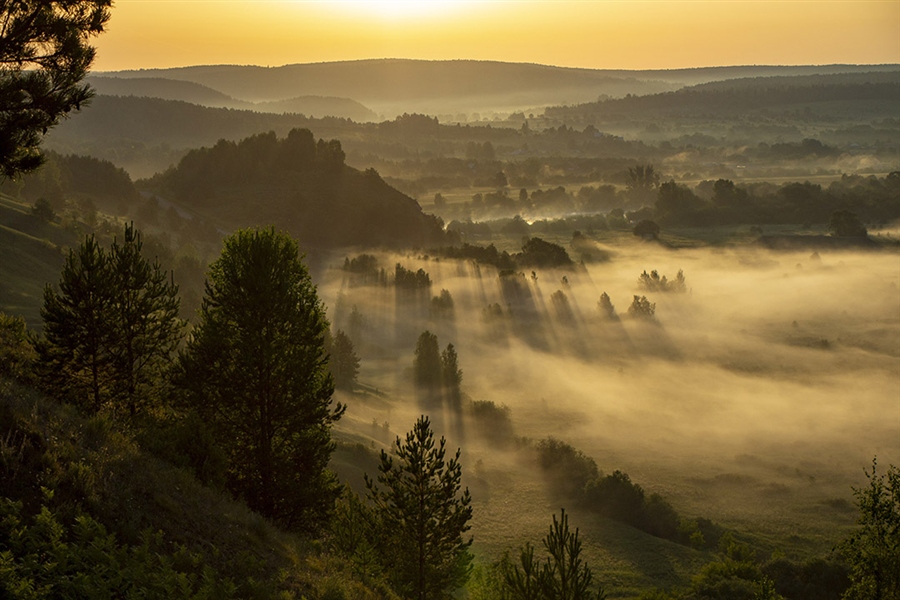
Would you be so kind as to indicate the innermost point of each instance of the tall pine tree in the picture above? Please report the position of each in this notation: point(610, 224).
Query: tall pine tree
point(256, 370)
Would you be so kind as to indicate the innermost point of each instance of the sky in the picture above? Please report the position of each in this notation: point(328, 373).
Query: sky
point(602, 34)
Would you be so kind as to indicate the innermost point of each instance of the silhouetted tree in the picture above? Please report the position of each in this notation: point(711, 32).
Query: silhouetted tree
point(343, 361)
point(606, 308)
point(427, 363)
point(422, 516)
point(257, 371)
point(75, 350)
point(44, 55)
point(111, 329)
point(451, 376)
point(642, 308)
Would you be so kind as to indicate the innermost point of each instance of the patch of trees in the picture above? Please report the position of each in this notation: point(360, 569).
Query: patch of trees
point(75, 180)
point(653, 282)
point(485, 255)
point(110, 330)
point(540, 253)
point(574, 476)
point(536, 252)
point(407, 279)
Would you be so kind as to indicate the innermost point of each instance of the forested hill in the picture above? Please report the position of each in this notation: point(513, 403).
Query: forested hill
point(878, 89)
point(300, 185)
point(195, 93)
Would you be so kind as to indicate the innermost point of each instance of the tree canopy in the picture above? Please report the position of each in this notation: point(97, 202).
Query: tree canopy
point(256, 370)
point(44, 55)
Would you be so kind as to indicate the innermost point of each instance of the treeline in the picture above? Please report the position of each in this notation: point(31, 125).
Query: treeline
point(873, 199)
point(753, 93)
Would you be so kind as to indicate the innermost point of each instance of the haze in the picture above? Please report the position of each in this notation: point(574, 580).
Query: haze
point(589, 34)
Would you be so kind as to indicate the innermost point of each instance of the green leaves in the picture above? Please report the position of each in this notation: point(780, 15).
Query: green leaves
point(564, 575)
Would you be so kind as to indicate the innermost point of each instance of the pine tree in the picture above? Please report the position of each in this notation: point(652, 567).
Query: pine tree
point(44, 55)
point(257, 371)
point(75, 357)
point(564, 575)
point(110, 330)
point(422, 516)
point(145, 325)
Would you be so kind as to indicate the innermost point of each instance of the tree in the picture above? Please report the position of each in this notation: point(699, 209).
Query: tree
point(563, 576)
point(256, 370)
point(74, 353)
point(144, 317)
point(451, 377)
point(44, 55)
point(427, 368)
point(343, 361)
point(422, 516)
point(873, 551)
point(607, 310)
point(846, 223)
point(642, 308)
point(110, 331)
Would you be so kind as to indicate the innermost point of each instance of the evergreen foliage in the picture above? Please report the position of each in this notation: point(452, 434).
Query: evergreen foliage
point(256, 369)
point(110, 330)
point(564, 575)
point(44, 55)
point(422, 516)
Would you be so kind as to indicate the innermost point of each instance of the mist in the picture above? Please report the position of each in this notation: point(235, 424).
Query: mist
point(756, 394)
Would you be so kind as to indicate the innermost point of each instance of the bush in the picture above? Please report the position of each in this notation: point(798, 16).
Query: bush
point(568, 470)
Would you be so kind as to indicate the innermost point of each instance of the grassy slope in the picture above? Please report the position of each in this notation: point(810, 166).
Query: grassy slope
point(31, 255)
point(89, 463)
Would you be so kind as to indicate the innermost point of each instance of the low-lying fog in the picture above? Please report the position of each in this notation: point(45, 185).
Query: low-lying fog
point(760, 391)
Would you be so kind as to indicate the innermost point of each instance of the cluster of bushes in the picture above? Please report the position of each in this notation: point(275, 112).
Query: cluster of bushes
point(575, 476)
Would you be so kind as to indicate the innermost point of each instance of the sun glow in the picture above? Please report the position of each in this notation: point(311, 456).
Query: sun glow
point(398, 10)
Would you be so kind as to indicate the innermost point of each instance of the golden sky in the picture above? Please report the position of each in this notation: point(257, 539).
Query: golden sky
point(633, 34)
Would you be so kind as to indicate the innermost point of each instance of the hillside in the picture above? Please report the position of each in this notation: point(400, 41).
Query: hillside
point(300, 184)
point(195, 93)
point(393, 86)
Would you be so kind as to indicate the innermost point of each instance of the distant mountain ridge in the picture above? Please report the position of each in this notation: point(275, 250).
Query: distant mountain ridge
point(393, 86)
point(196, 93)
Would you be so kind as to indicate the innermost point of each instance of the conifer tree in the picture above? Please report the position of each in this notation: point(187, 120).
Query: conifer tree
point(110, 331)
point(256, 370)
point(144, 317)
point(423, 518)
point(343, 361)
point(75, 355)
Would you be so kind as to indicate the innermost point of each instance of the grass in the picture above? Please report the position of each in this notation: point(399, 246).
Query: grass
point(91, 463)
